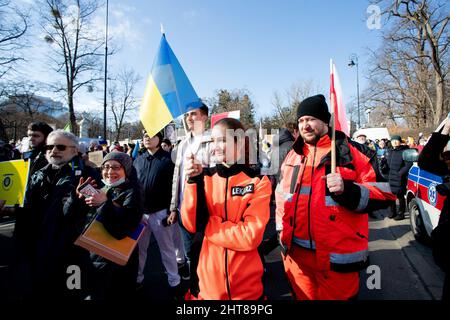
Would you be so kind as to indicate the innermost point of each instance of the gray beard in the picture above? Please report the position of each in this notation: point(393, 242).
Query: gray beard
point(57, 166)
point(54, 164)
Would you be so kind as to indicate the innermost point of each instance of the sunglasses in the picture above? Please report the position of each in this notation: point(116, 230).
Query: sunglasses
point(59, 147)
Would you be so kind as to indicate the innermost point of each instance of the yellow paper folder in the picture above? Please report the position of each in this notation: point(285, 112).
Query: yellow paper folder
point(96, 239)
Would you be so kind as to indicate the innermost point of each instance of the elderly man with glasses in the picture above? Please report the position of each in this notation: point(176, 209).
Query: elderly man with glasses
point(52, 219)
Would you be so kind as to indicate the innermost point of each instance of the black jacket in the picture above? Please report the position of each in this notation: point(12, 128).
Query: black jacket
point(45, 230)
point(285, 142)
point(429, 160)
point(37, 158)
point(398, 169)
point(155, 173)
point(120, 219)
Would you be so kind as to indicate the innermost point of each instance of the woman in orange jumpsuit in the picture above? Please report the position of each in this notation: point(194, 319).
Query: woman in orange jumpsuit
point(231, 204)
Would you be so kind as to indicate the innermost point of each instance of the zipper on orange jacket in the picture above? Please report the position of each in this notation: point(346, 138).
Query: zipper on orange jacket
point(226, 250)
point(309, 199)
point(298, 188)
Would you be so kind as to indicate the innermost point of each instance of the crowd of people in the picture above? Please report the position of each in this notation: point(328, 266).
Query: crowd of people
point(393, 167)
point(207, 208)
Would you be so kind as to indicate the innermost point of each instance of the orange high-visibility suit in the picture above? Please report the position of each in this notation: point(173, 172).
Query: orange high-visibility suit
point(232, 206)
point(325, 236)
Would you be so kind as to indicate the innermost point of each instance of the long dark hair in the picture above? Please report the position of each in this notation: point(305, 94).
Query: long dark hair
point(234, 124)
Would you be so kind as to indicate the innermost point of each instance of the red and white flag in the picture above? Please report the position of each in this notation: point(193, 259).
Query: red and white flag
point(232, 114)
point(337, 105)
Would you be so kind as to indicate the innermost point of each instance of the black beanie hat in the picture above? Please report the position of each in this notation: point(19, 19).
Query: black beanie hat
point(316, 107)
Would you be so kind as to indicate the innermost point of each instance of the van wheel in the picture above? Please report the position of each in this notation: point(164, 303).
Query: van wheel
point(416, 223)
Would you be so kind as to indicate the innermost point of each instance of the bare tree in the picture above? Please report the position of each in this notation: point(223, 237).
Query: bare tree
point(75, 45)
point(431, 21)
point(285, 108)
point(398, 84)
point(24, 97)
point(13, 26)
point(283, 114)
point(122, 99)
point(415, 60)
point(23, 106)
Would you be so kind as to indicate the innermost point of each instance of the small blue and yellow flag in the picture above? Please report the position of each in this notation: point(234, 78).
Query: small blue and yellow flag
point(135, 152)
point(168, 93)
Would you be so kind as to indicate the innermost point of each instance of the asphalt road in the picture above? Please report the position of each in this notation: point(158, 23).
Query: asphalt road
point(407, 269)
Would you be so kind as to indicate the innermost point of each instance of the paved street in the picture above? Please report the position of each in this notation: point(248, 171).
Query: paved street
point(406, 266)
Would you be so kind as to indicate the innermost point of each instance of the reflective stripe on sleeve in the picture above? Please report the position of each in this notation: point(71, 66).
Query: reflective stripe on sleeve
point(364, 199)
point(305, 243)
point(346, 258)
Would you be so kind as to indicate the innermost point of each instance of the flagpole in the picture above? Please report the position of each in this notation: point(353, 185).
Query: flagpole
point(333, 128)
point(184, 126)
point(106, 72)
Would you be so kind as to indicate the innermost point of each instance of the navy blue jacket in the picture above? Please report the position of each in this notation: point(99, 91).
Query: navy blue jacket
point(155, 174)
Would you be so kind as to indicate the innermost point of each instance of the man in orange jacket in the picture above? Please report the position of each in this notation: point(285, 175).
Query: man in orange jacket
point(324, 214)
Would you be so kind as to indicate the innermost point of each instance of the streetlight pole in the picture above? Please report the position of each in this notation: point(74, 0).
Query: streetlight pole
point(15, 131)
point(106, 72)
point(354, 62)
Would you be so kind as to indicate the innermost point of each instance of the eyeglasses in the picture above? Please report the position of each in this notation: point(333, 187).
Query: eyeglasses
point(59, 147)
point(113, 168)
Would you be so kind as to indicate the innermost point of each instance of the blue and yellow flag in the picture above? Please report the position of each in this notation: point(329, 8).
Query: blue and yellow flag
point(135, 152)
point(168, 93)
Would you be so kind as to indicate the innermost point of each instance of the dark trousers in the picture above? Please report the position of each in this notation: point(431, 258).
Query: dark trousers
point(112, 282)
point(402, 205)
point(192, 246)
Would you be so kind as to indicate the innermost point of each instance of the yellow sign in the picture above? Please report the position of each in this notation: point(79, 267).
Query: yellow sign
point(13, 181)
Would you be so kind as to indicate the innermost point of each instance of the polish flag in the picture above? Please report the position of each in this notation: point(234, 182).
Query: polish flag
point(232, 114)
point(337, 106)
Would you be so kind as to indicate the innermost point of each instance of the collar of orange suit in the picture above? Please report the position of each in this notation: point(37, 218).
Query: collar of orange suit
point(321, 148)
point(235, 169)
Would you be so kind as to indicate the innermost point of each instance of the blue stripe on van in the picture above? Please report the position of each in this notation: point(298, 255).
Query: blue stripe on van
point(424, 177)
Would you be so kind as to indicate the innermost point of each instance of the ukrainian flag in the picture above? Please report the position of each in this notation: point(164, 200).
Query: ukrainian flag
point(168, 93)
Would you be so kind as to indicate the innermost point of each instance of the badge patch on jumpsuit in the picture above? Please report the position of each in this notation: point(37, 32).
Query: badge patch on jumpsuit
point(242, 191)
